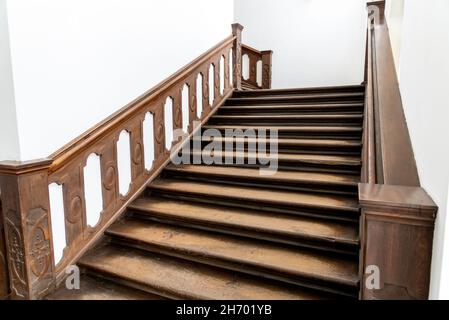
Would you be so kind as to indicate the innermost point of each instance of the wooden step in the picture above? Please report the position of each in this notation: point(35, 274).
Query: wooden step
point(308, 129)
point(295, 131)
point(329, 89)
point(297, 159)
point(288, 180)
point(181, 279)
point(280, 176)
point(321, 119)
point(300, 203)
point(332, 108)
point(298, 98)
point(98, 289)
point(271, 226)
point(301, 267)
point(287, 143)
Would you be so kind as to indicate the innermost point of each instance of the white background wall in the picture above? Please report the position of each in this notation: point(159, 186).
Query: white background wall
point(315, 42)
point(9, 140)
point(77, 61)
point(423, 78)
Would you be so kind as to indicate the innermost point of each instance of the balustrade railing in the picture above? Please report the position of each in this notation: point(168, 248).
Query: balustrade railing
point(37, 261)
point(256, 65)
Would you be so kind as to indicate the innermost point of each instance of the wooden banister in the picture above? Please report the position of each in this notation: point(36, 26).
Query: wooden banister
point(33, 271)
point(255, 56)
point(398, 216)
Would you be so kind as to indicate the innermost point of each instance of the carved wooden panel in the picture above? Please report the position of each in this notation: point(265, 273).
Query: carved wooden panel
point(27, 230)
point(4, 279)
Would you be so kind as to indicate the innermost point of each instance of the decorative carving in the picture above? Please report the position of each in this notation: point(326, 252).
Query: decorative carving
point(39, 242)
point(137, 154)
point(159, 132)
point(16, 253)
point(76, 205)
point(109, 177)
point(178, 116)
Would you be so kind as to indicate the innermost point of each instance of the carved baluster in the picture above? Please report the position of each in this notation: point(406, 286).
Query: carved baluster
point(237, 55)
point(252, 69)
point(109, 173)
point(266, 68)
point(177, 112)
point(217, 81)
point(192, 103)
point(159, 131)
point(226, 72)
point(206, 106)
point(26, 214)
point(136, 137)
point(74, 203)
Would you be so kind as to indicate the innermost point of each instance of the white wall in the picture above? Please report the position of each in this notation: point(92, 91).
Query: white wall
point(315, 42)
point(9, 139)
point(424, 74)
point(394, 12)
point(77, 61)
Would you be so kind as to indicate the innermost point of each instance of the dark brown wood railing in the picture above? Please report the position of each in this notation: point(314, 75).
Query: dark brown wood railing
point(25, 185)
point(254, 57)
point(397, 214)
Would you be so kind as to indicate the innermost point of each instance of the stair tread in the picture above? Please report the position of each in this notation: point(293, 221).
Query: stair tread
point(207, 246)
point(98, 289)
point(253, 220)
point(289, 128)
point(291, 157)
point(261, 195)
point(175, 278)
point(282, 176)
point(291, 142)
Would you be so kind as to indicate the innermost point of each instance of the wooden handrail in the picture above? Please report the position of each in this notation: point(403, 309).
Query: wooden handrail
point(25, 185)
point(398, 216)
point(254, 56)
point(388, 154)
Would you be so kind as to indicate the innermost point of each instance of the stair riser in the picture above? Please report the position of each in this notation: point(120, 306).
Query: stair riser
point(258, 204)
point(310, 134)
point(293, 100)
point(349, 249)
point(274, 92)
point(289, 165)
point(350, 190)
point(285, 122)
point(238, 266)
point(292, 149)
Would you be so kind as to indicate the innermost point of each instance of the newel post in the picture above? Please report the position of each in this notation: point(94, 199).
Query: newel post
point(237, 56)
point(26, 216)
point(396, 241)
point(266, 68)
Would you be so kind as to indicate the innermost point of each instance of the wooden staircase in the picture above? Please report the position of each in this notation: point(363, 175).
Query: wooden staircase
point(227, 232)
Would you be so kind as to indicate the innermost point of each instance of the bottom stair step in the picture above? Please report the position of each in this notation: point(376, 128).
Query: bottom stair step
point(295, 230)
point(99, 289)
point(180, 279)
point(336, 274)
